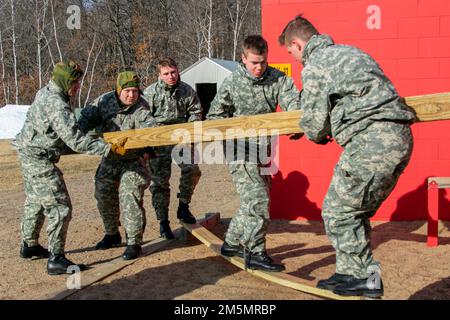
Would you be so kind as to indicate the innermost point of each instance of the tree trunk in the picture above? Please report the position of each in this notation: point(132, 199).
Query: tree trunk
point(16, 82)
point(84, 74)
point(210, 15)
point(38, 31)
point(237, 23)
point(49, 49)
point(92, 75)
point(2, 57)
point(54, 30)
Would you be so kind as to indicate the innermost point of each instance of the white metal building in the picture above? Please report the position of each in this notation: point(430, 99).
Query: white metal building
point(206, 76)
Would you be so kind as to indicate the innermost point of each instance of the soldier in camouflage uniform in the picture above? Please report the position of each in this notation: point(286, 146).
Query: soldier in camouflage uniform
point(254, 88)
point(172, 101)
point(120, 182)
point(49, 127)
point(347, 97)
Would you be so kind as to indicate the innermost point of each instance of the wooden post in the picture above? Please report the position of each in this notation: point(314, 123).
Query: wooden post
point(434, 184)
point(433, 213)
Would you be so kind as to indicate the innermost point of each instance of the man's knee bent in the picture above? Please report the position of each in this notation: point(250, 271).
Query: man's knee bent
point(61, 212)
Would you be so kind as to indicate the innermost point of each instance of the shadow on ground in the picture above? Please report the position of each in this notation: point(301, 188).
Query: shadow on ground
point(439, 290)
point(165, 282)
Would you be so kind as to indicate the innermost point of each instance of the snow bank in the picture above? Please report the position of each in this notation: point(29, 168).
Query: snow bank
point(12, 118)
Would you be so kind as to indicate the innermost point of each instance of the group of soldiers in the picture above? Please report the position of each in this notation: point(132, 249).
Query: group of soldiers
point(122, 176)
point(345, 97)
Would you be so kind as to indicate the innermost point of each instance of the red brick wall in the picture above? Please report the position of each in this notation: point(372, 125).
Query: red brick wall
point(413, 48)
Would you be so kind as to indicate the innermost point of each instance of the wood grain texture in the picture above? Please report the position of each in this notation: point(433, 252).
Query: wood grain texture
point(441, 182)
point(215, 243)
point(431, 107)
point(278, 123)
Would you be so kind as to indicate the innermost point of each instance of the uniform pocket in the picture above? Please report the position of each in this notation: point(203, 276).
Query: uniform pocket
point(49, 187)
point(352, 186)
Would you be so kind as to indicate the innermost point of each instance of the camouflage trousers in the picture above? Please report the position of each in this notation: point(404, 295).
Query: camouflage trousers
point(46, 196)
point(249, 226)
point(119, 188)
point(365, 175)
point(161, 169)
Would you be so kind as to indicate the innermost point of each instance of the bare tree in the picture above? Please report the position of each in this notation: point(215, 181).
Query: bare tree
point(54, 30)
point(47, 44)
point(16, 82)
point(120, 16)
point(84, 74)
point(199, 14)
point(92, 75)
point(38, 37)
point(2, 57)
point(40, 27)
point(209, 19)
point(237, 18)
point(115, 35)
point(199, 39)
point(192, 40)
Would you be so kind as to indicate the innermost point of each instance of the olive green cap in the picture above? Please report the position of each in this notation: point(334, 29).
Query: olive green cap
point(127, 79)
point(65, 73)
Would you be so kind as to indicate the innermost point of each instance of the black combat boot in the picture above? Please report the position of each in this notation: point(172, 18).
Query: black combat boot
point(59, 264)
point(38, 251)
point(360, 287)
point(333, 281)
point(164, 230)
point(109, 241)
point(184, 214)
point(229, 250)
point(262, 261)
point(132, 252)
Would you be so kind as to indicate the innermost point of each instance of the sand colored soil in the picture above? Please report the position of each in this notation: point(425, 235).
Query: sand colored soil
point(188, 269)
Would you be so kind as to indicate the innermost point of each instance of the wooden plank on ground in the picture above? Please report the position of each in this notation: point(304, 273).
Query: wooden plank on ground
point(430, 107)
point(215, 243)
point(104, 270)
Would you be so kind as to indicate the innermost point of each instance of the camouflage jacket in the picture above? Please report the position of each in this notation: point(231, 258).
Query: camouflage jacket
point(344, 91)
point(241, 94)
point(178, 104)
point(50, 126)
point(106, 114)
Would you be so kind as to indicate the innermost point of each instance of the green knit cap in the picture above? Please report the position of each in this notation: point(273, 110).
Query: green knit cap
point(65, 73)
point(127, 79)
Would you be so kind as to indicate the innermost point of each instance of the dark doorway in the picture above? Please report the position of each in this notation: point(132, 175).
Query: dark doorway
point(206, 93)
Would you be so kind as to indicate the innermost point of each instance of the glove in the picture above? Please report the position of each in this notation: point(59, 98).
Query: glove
point(296, 136)
point(325, 140)
point(118, 147)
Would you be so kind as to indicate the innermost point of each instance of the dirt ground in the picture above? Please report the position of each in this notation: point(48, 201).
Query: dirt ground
point(189, 270)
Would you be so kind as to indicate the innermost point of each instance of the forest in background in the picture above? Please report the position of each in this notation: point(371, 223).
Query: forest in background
point(108, 36)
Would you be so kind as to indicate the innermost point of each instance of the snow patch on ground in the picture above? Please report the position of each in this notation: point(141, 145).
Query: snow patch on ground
point(12, 118)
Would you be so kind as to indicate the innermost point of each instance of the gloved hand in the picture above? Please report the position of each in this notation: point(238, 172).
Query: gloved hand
point(296, 136)
point(118, 147)
point(325, 140)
